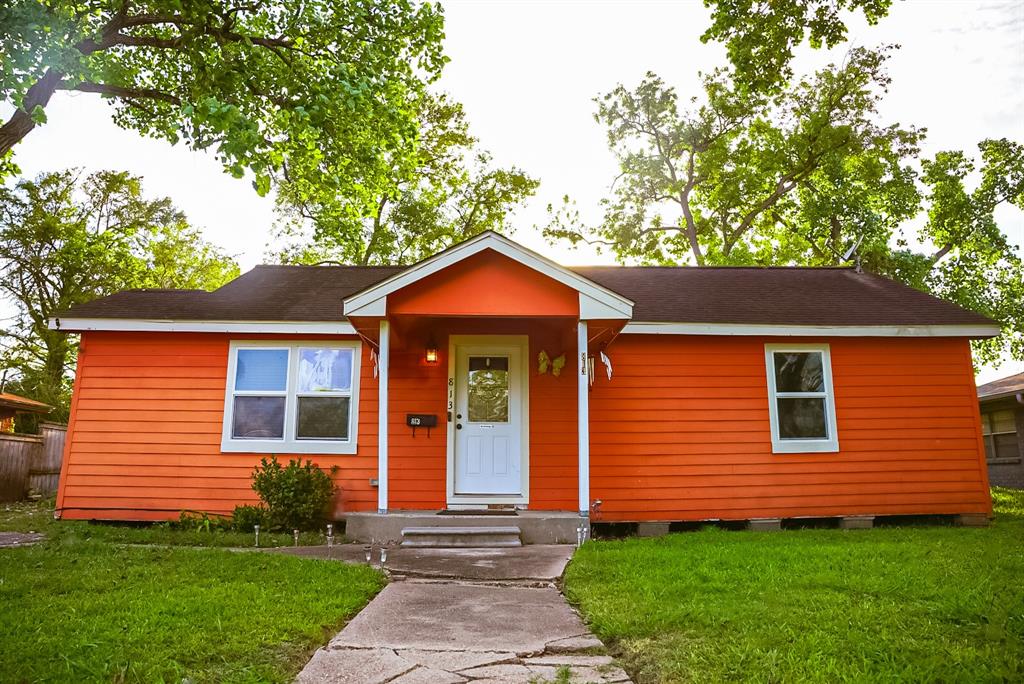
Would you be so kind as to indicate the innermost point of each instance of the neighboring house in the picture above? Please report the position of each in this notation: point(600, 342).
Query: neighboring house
point(12, 404)
point(728, 393)
point(1002, 423)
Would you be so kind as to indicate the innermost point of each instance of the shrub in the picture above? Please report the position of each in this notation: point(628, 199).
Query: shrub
point(245, 518)
point(296, 495)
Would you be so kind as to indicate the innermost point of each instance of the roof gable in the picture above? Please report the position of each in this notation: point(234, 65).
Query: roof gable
point(595, 301)
point(485, 284)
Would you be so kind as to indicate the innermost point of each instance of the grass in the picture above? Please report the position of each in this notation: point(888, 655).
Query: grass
point(38, 517)
point(889, 604)
point(94, 604)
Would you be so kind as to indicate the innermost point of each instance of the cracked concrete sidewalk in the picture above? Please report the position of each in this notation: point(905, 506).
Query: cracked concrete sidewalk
point(508, 628)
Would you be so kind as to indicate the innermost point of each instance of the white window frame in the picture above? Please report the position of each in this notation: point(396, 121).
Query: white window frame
point(802, 445)
point(289, 444)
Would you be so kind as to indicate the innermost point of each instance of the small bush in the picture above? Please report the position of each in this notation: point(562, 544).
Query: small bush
point(296, 495)
point(245, 518)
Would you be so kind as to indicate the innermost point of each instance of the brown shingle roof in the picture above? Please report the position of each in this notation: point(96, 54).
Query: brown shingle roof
point(779, 296)
point(789, 296)
point(1002, 387)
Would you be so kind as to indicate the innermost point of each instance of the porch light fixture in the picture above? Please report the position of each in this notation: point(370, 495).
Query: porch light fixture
point(430, 354)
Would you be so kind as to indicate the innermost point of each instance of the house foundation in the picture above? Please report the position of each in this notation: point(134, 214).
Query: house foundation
point(765, 525)
point(972, 520)
point(857, 522)
point(535, 527)
point(652, 529)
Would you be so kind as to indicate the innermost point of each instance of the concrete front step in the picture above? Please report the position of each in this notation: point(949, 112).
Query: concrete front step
point(461, 537)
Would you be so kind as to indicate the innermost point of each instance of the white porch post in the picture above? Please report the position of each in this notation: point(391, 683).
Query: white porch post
point(583, 410)
point(382, 417)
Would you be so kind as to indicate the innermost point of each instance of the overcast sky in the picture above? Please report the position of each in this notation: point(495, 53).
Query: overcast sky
point(527, 72)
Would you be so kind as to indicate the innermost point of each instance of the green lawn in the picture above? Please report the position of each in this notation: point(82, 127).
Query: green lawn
point(888, 604)
point(87, 607)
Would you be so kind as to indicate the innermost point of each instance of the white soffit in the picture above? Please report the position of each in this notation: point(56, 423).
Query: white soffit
point(654, 328)
point(142, 325)
point(600, 300)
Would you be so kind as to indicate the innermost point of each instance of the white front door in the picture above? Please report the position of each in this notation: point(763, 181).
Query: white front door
point(488, 420)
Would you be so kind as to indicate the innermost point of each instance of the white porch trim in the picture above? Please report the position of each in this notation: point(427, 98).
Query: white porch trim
point(658, 328)
point(612, 304)
point(583, 411)
point(472, 501)
point(382, 417)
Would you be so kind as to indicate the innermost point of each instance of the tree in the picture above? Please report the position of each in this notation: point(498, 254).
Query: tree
point(320, 91)
point(760, 35)
point(451, 192)
point(798, 178)
point(65, 240)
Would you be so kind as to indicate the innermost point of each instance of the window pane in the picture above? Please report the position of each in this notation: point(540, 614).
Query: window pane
point(258, 418)
point(323, 418)
point(325, 370)
point(798, 372)
point(262, 370)
point(488, 389)
point(1006, 446)
point(802, 419)
point(1003, 421)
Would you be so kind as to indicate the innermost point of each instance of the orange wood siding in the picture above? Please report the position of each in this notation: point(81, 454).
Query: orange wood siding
point(681, 432)
point(486, 284)
point(417, 465)
point(144, 437)
point(417, 469)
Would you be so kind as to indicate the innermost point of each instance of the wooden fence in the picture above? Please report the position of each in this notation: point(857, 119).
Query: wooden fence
point(31, 462)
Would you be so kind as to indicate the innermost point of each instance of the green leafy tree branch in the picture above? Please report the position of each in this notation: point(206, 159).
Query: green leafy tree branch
point(66, 239)
point(319, 91)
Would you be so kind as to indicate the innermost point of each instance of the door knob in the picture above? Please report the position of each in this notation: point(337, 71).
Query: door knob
point(458, 426)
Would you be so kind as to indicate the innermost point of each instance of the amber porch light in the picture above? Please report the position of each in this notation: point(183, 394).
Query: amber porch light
point(430, 353)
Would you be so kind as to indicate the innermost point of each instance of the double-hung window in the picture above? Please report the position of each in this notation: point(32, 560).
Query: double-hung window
point(292, 398)
point(999, 429)
point(801, 403)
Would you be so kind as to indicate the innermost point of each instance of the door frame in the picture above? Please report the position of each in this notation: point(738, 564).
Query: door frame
point(479, 500)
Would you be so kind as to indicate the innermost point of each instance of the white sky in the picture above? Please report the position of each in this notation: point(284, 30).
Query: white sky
point(527, 72)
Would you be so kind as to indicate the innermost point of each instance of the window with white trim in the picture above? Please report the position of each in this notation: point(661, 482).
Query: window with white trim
point(801, 403)
point(300, 398)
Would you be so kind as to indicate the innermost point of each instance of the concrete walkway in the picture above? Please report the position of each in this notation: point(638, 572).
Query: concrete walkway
point(465, 615)
point(10, 540)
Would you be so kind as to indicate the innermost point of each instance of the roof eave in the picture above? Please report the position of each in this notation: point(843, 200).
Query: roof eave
point(74, 325)
point(972, 331)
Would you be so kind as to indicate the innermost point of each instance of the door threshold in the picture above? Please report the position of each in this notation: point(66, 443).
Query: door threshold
point(479, 511)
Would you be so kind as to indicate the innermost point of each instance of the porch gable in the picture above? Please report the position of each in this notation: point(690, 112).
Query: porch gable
point(595, 301)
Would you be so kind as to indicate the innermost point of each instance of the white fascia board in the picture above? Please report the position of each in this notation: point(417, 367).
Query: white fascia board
point(594, 309)
point(503, 246)
point(144, 325)
point(373, 308)
point(652, 328)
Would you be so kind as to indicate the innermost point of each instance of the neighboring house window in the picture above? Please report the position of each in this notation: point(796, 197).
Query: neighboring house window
point(292, 398)
point(801, 402)
point(1000, 431)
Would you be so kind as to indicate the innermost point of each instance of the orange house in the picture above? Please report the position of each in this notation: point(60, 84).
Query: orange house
point(490, 377)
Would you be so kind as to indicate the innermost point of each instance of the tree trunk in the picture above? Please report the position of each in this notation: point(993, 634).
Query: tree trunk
point(20, 123)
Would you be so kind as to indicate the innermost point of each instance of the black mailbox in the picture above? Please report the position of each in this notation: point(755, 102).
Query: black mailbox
point(421, 420)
